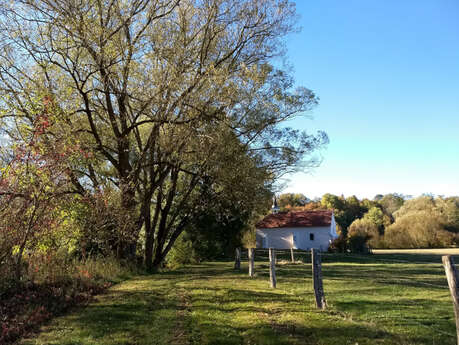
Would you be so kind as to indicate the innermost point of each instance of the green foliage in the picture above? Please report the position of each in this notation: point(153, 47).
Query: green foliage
point(228, 202)
point(101, 223)
point(424, 223)
point(182, 253)
point(449, 208)
point(345, 210)
point(418, 229)
point(358, 243)
point(391, 221)
point(377, 217)
point(363, 233)
point(339, 245)
point(216, 236)
point(225, 223)
point(391, 203)
point(330, 201)
point(162, 97)
point(33, 186)
point(292, 200)
point(422, 203)
point(368, 204)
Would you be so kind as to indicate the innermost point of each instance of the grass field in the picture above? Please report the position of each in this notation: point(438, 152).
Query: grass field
point(376, 299)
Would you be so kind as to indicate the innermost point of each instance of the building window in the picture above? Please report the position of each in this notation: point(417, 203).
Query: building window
point(311, 237)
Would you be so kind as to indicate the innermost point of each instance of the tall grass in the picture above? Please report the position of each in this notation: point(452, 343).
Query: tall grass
point(51, 284)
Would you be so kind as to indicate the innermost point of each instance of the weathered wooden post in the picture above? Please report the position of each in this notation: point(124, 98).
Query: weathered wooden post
point(237, 260)
point(317, 279)
point(451, 276)
point(251, 261)
point(291, 255)
point(272, 268)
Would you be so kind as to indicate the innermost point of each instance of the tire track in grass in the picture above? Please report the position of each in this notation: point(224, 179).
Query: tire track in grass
point(182, 327)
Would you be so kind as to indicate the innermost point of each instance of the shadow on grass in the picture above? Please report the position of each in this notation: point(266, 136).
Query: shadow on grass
point(146, 317)
point(255, 322)
point(143, 315)
point(415, 275)
point(225, 310)
point(272, 332)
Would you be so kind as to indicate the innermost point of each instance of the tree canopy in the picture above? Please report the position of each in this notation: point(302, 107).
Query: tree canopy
point(168, 98)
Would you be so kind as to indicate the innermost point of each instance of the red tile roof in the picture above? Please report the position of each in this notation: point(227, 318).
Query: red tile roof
point(296, 219)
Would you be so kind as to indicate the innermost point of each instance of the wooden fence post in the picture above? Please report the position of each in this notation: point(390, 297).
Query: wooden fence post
point(251, 261)
point(317, 279)
point(237, 260)
point(272, 268)
point(451, 276)
point(291, 255)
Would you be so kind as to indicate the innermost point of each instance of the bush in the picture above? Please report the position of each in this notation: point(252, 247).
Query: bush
point(182, 253)
point(363, 234)
point(339, 245)
point(358, 243)
point(419, 229)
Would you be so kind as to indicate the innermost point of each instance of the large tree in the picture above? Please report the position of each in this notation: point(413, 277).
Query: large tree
point(165, 93)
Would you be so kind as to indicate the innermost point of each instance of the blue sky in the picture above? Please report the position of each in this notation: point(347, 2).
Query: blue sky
point(387, 75)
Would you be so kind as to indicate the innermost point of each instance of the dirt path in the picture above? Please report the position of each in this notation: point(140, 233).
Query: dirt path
point(181, 336)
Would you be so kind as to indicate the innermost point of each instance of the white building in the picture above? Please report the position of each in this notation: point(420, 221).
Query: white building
point(297, 230)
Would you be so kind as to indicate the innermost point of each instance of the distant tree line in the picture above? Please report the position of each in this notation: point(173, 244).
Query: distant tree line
point(387, 221)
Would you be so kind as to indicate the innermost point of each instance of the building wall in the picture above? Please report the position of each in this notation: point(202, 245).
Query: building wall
point(297, 238)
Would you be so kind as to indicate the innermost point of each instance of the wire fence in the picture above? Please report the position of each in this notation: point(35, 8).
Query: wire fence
point(434, 273)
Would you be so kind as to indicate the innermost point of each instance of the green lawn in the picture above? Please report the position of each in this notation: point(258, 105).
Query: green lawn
point(379, 299)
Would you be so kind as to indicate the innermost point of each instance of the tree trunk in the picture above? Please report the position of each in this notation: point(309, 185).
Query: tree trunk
point(130, 230)
point(159, 245)
point(156, 264)
point(150, 235)
point(237, 259)
point(163, 213)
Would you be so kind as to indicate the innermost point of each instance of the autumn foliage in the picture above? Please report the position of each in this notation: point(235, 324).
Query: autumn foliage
point(41, 265)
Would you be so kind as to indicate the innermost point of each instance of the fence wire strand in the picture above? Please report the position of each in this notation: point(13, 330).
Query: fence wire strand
point(404, 321)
